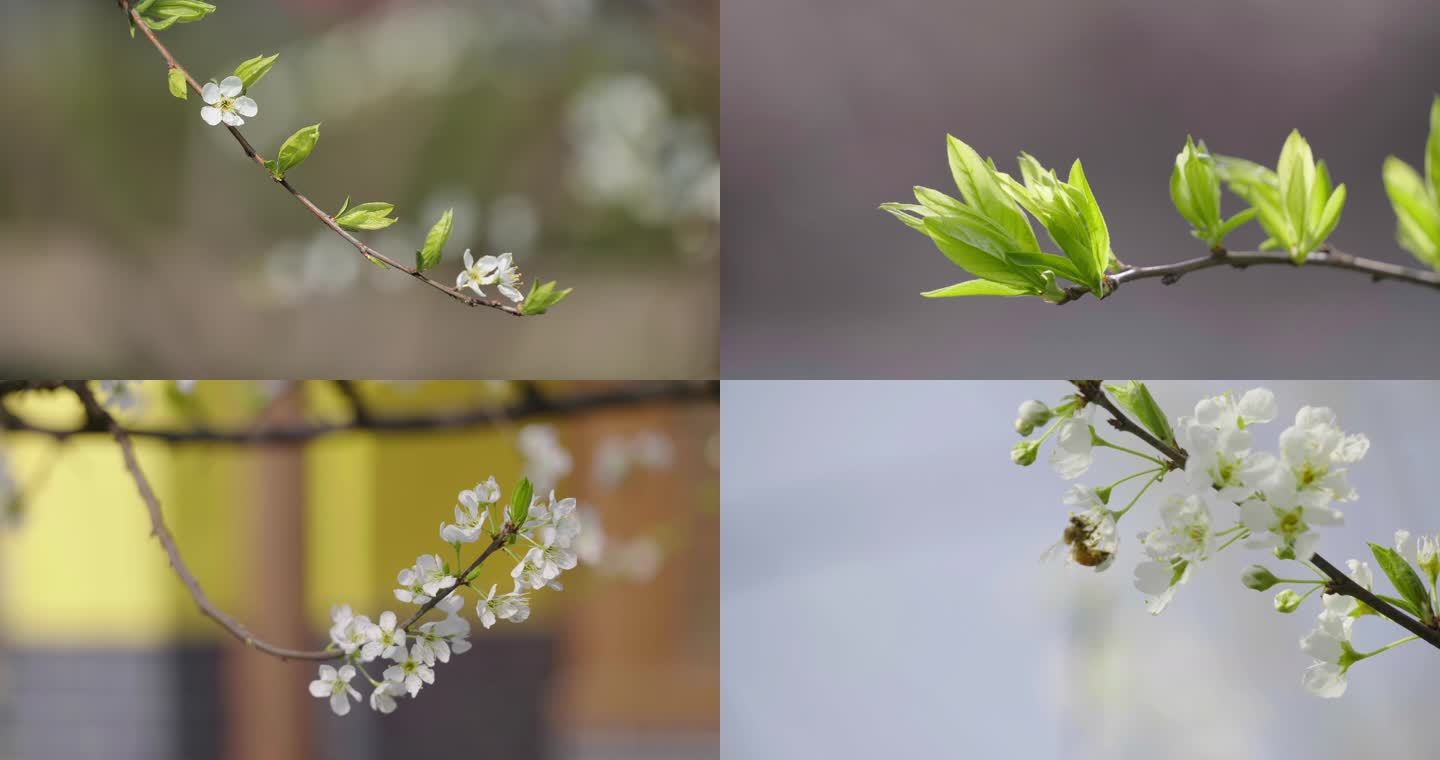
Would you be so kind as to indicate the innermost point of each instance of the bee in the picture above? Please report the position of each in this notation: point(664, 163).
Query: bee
point(1083, 543)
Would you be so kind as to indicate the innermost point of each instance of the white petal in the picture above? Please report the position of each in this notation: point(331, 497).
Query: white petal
point(1324, 680)
point(247, 106)
point(319, 688)
point(340, 703)
point(469, 260)
point(387, 621)
point(231, 86)
point(232, 119)
point(511, 293)
point(211, 115)
point(210, 93)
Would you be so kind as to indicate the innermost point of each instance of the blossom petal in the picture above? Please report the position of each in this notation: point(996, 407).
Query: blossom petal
point(231, 86)
point(210, 93)
point(247, 106)
point(232, 119)
point(211, 115)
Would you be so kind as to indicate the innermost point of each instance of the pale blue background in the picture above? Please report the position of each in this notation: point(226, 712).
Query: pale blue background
point(882, 595)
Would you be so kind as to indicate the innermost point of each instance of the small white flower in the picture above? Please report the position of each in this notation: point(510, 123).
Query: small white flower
point(1184, 532)
point(430, 645)
point(529, 572)
point(385, 639)
point(410, 588)
point(1286, 529)
point(411, 672)
point(1073, 450)
point(349, 632)
point(432, 575)
point(226, 104)
point(507, 277)
point(1083, 497)
point(1313, 455)
point(518, 606)
point(186, 387)
point(477, 273)
point(1225, 413)
point(546, 461)
point(1329, 645)
point(490, 608)
point(451, 603)
point(1423, 552)
point(557, 520)
point(469, 521)
point(335, 685)
point(1158, 581)
point(382, 699)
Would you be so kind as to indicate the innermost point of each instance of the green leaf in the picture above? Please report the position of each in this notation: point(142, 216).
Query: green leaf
point(978, 185)
point(949, 236)
point(1417, 213)
point(429, 255)
point(978, 288)
point(1099, 233)
point(1401, 603)
point(178, 86)
point(343, 206)
point(162, 14)
point(252, 70)
point(1136, 399)
point(1231, 224)
point(542, 297)
point(1059, 264)
point(367, 216)
point(520, 503)
point(1403, 578)
point(296, 149)
point(1329, 216)
point(1432, 150)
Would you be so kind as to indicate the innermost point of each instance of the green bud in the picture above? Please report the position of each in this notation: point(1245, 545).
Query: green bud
point(1023, 453)
point(1258, 577)
point(296, 149)
point(542, 297)
point(1103, 493)
point(178, 86)
point(1287, 601)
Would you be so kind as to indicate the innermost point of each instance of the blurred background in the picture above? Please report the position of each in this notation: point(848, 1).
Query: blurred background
point(103, 654)
point(581, 135)
point(882, 530)
point(831, 108)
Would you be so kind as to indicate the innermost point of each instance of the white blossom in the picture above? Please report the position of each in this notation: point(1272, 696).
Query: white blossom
point(225, 103)
point(529, 572)
point(430, 570)
point(385, 639)
point(1225, 413)
point(556, 520)
point(382, 699)
point(477, 273)
point(411, 671)
point(1074, 448)
point(546, 461)
point(411, 589)
point(469, 519)
point(335, 685)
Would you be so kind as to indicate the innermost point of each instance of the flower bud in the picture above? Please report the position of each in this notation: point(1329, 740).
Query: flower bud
point(1031, 415)
point(1427, 556)
point(1023, 453)
point(1259, 578)
point(1287, 601)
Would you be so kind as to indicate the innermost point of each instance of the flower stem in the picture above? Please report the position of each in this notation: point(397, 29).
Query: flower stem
point(1141, 492)
point(1102, 442)
point(1388, 647)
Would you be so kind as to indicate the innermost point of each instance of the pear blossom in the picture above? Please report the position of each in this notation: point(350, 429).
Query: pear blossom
point(1313, 455)
point(554, 557)
point(1329, 642)
point(1223, 412)
point(490, 607)
point(1083, 497)
point(469, 520)
point(349, 632)
point(411, 590)
point(1287, 530)
point(382, 699)
point(452, 603)
point(546, 461)
point(1184, 532)
point(385, 639)
point(410, 671)
point(529, 572)
point(432, 574)
point(518, 605)
point(1074, 448)
point(477, 273)
point(1158, 580)
point(225, 103)
point(1423, 552)
point(335, 685)
point(508, 277)
point(556, 520)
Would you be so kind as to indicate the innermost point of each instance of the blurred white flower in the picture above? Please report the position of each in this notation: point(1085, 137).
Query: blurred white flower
point(1073, 451)
point(226, 104)
point(122, 396)
point(382, 699)
point(469, 519)
point(546, 461)
point(335, 685)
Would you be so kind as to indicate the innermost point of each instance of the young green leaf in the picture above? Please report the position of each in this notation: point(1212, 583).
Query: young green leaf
point(252, 70)
point(1417, 202)
point(178, 86)
point(979, 187)
point(1136, 398)
point(367, 216)
point(979, 288)
point(542, 297)
point(1403, 578)
point(429, 255)
point(162, 14)
point(519, 510)
point(1432, 150)
point(296, 149)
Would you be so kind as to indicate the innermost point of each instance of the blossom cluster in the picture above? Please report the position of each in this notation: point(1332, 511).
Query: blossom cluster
point(544, 527)
point(1222, 488)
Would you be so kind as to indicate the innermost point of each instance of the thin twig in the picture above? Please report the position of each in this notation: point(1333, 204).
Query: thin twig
point(1340, 583)
point(202, 601)
point(529, 406)
point(1327, 257)
point(324, 218)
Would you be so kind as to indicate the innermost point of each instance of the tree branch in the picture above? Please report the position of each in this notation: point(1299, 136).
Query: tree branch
point(529, 406)
point(1340, 583)
point(324, 218)
point(1326, 256)
point(161, 532)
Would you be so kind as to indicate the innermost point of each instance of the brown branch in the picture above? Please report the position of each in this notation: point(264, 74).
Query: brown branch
point(1326, 257)
point(530, 406)
point(324, 218)
point(1340, 583)
point(172, 551)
